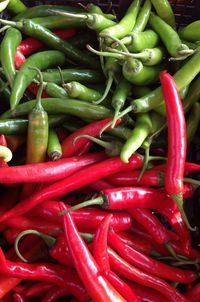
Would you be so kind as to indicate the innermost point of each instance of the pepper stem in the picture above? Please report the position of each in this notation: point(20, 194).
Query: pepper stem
point(106, 145)
point(192, 181)
point(4, 28)
point(124, 48)
point(63, 13)
point(8, 22)
point(116, 116)
point(178, 199)
point(6, 153)
point(87, 236)
point(141, 55)
point(108, 86)
point(145, 164)
point(49, 240)
point(96, 201)
point(40, 89)
point(104, 53)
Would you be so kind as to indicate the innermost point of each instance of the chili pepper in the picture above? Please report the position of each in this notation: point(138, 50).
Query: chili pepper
point(63, 106)
point(97, 22)
point(193, 95)
point(182, 79)
point(47, 272)
point(128, 271)
point(47, 171)
point(97, 286)
point(44, 10)
point(18, 297)
point(50, 39)
point(25, 75)
point(150, 178)
point(144, 293)
point(100, 185)
point(169, 37)
point(142, 129)
point(9, 45)
point(54, 294)
point(150, 265)
point(120, 94)
point(137, 73)
point(153, 226)
point(176, 142)
point(100, 250)
point(55, 91)
point(54, 149)
point(143, 17)
point(105, 168)
point(191, 32)
point(137, 41)
point(78, 91)
point(19, 59)
point(80, 75)
point(38, 289)
point(95, 9)
point(165, 12)
point(31, 45)
point(18, 126)
point(91, 217)
point(126, 24)
point(16, 6)
point(37, 136)
point(59, 22)
point(121, 132)
point(193, 122)
point(70, 146)
point(194, 293)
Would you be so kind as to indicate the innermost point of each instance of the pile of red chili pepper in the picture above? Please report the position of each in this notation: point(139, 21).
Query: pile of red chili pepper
point(98, 119)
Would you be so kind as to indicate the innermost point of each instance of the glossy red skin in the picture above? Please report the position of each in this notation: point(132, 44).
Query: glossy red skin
point(194, 293)
point(98, 288)
point(60, 252)
point(38, 289)
point(77, 180)
point(177, 139)
point(149, 264)
point(128, 271)
point(147, 294)
point(55, 293)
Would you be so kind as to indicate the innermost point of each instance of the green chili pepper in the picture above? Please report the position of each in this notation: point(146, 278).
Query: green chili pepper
point(44, 10)
point(125, 25)
point(95, 22)
point(17, 6)
point(8, 49)
point(169, 37)
point(63, 106)
point(79, 75)
point(193, 95)
point(191, 32)
point(38, 128)
point(143, 17)
point(78, 91)
point(137, 41)
point(140, 91)
point(94, 9)
point(142, 129)
point(164, 11)
point(135, 72)
point(59, 22)
point(25, 76)
point(80, 39)
point(193, 122)
point(4, 90)
point(18, 126)
point(55, 91)
point(48, 38)
point(183, 77)
point(119, 97)
point(121, 132)
point(54, 149)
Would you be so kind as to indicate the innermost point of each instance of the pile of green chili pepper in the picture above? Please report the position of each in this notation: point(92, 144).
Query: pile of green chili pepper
point(99, 154)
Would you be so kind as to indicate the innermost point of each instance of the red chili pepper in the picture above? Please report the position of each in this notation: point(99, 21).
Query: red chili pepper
point(48, 171)
point(47, 272)
point(96, 285)
point(10, 234)
point(89, 217)
point(60, 252)
point(71, 147)
point(188, 167)
point(74, 182)
point(55, 293)
point(153, 226)
point(150, 178)
point(149, 264)
point(33, 88)
point(38, 289)
point(100, 185)
point(177, 141)
point(19, 59)
point(123, 268)
point(194, 293)
point(147, 294)
point(19, 298)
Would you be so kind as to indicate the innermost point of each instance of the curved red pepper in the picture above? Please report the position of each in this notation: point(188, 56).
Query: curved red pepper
point(194, 293)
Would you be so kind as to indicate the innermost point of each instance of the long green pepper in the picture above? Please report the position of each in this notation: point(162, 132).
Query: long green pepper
point(143, 17)
point(193, 122)
point(24, 77)
point(8, 49)
point(54, 149)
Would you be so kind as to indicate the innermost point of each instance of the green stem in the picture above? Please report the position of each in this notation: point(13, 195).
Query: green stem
point(192, 181)
point(106, 145)
point(49, 240)
point(40, 89)
point(63, 13)
point(96, 201)
point(108, 86)
point(144, 164)
point(104, 53)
